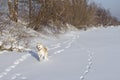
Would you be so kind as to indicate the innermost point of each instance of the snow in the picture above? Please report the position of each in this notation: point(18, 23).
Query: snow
point(76, 55)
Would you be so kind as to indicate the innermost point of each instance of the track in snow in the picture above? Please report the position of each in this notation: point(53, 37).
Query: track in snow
point(67, 44)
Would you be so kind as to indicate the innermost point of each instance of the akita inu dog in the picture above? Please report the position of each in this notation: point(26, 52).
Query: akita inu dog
point(42, 52)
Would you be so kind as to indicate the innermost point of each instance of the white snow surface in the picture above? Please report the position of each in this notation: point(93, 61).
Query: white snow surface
point(77, 55)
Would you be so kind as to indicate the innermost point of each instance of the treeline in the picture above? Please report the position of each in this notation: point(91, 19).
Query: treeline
point(61, 12)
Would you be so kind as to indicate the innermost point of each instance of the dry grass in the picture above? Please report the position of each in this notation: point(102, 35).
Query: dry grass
point(74, 12)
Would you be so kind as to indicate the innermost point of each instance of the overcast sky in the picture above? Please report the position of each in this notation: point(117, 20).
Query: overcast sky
point(112, 5)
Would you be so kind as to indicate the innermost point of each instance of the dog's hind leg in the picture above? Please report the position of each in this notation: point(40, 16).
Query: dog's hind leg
point(46, 57)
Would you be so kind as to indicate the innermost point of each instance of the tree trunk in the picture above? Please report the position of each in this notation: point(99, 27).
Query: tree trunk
point(16, 10)
point(30, 9)
point(11, 10)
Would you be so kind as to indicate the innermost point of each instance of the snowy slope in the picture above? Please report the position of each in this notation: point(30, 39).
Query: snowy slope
point(79, 55)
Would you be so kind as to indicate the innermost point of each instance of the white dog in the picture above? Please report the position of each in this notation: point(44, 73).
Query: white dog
point(42, 52)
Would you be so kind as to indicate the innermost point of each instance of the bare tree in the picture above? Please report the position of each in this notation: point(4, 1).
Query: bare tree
point(13, 10)
point(10, 6)
point(30, 8)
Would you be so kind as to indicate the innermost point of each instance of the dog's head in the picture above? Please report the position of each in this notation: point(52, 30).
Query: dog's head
point(39, 46)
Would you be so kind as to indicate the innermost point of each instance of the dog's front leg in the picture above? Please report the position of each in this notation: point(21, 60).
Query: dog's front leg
point(41, 57)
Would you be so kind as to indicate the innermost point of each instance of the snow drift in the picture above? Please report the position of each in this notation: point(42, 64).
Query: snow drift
point(76, 55)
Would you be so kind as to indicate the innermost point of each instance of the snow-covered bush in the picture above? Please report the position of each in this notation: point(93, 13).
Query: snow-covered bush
point(15, 37)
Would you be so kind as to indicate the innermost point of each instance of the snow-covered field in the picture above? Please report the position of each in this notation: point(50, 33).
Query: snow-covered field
point(77, 55)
